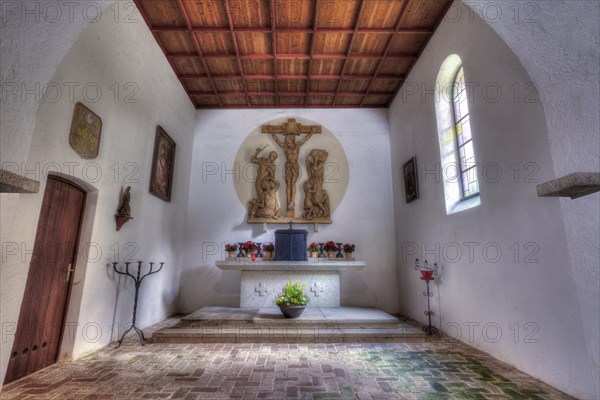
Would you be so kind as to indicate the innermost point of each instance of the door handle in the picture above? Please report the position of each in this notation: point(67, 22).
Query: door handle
point(69, 271)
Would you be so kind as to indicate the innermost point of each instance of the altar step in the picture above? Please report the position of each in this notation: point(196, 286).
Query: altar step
point(267, 325)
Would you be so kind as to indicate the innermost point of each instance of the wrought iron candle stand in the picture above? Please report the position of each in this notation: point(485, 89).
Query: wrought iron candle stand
point(138, 280)
point(321, 251)
point(241, 252)
point(427, 274)
point(259, 253)
point(339, 249)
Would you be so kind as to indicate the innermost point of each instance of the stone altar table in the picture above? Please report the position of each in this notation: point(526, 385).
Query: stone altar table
point(262, 281)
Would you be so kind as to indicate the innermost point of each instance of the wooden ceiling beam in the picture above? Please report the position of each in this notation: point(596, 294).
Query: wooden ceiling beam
point(260, 106)
point(297, 94)
point(383, 31)
point(186, 18)
point(435, 26)
point(273, 14)
point(298, 56)
point(160, 44)
point(388, 45)
point(236, 48)
point(292, 76)
point(361, 7)
point(312, 48)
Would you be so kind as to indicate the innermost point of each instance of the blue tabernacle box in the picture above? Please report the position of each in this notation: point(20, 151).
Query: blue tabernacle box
point(290, 245)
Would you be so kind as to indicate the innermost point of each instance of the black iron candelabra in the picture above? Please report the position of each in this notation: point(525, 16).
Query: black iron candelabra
point(138, 278)
point(427, 274)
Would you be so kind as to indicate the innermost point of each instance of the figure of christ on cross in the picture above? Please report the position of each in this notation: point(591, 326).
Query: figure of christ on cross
point(291, 148)
point(289, 130)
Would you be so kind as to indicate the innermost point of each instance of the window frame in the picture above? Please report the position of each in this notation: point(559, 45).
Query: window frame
point(457, 147)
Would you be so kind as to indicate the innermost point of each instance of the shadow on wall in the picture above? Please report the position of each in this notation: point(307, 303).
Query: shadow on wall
point(227, 286)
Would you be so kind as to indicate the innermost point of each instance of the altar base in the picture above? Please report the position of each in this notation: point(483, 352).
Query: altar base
point(263, 281)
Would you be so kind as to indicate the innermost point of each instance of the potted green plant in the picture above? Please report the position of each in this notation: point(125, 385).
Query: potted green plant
point(231, 249)
point(313, 248)
point(349, 249)
point(330, 247)
point(292, 300)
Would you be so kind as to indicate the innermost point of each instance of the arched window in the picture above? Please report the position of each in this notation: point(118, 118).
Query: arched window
point(464, 139)
point(457, 152)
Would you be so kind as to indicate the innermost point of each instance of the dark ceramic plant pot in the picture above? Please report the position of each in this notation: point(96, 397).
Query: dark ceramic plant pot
point(292, 311)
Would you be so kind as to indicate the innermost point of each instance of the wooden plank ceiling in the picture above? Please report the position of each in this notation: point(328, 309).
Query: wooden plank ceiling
point(292, 53)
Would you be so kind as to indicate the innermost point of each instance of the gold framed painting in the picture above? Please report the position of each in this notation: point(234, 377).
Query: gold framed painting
point(86, 128)
point(163, 162)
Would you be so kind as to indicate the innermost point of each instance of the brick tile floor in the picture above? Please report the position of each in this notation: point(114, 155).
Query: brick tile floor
point(439, 369)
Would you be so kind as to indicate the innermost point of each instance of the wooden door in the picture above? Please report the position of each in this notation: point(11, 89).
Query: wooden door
point(41, 319)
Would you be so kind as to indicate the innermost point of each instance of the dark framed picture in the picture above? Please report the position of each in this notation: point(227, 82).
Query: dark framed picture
point(411, 183)
point(163, 161)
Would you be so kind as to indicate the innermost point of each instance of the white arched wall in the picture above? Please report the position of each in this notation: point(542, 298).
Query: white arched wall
point(557, 43)
point(215, 215)
point(35, 38)
point(512, 134)
point(109, 52)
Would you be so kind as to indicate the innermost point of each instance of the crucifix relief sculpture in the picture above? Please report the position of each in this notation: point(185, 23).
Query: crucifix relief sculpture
point(266, 203)
point(291, 149)
point(265, 207)
point(316, 199)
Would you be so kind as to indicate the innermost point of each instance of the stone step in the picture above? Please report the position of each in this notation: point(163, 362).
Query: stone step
point(267, 325)
point(289, 335)
point(343, 317)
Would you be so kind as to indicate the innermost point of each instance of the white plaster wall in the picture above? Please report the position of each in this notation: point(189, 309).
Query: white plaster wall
point(558, 44)
point(34, 38)
point(216, 216)
point(105, 54)
point(507, 293)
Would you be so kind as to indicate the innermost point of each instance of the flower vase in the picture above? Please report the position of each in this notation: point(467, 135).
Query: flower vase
point(231, 255)
point(314, 254)
point(292, 311)
point(331, 254)
point(349, 256)
point(268, 255)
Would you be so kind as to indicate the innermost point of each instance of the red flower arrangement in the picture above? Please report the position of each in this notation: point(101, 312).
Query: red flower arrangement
point(349, 248)
point(330, 246)
point(230, 248)
point(314, 247)
point(268, 247)
point(249, 247)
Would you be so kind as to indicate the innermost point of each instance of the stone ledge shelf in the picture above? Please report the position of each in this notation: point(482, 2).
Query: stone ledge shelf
point(263, 281)
point(321, 265)
point(13, 183)
point(574, 185)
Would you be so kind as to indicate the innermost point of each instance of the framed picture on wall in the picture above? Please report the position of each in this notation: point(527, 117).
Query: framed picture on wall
point(411, 183)
point(163, 161)
point(86, 128)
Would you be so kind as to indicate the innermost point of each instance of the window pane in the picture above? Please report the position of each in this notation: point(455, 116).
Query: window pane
point(464, 142)
point(465, 183)
point(463, 160)
point(466, 130)
point(469, 154)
